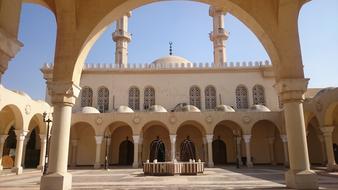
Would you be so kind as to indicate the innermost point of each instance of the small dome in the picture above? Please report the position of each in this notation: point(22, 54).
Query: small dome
point(157, 108)
point(172, 60)
point(88, 109)
point(259, 108)
point(124, 109)
point(190, 108)
point(225, 108)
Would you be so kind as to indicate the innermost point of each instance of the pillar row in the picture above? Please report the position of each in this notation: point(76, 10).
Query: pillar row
point(271, 141)
point(43, 140)
point(20, 138)
point(2, 143)
point(24, 151)
point(247, 139)
point(173, 147)
point(239, 151)
point(285, 148)
point(323, 147)
point(136, 139)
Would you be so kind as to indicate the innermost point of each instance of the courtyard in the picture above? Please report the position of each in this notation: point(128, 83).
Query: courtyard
point(229, 177)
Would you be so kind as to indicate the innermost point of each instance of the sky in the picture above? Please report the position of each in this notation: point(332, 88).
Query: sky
point(187, 24)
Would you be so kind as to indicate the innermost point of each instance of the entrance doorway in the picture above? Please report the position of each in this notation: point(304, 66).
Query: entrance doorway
point(219, 152)
point(157, 150)
point(126, 152)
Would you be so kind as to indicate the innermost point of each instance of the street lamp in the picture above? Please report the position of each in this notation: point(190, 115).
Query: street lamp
point(106, 137)
point(48, 121)
point(237, 135)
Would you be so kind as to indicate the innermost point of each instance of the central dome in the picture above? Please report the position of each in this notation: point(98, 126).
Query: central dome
point(171, 60)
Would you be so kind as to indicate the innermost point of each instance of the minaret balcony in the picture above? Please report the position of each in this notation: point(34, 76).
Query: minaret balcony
point(220, 33)
point(121, 34)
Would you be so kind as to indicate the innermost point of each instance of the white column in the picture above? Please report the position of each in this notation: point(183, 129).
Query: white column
point(291, 92)
point(140, 150)
point(24, 151)
point(2, 143)
point(209, 138)
point(20, 137)
point(247, 139)
point(271, 141)
point(63, 96)
point(239, 151)
point(136, 139)
point(205, 149)
point(327, 133)
point(98, 140)
point(74, 143)
point(285, 147)
point(322, 143)
point(173, 147)
point(43, 140)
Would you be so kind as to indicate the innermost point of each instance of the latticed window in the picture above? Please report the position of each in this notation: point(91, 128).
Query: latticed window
point(210, 97)
point(242, 97)
point(103, 99)
point(149, 97)
point(134, 98)
point(86, 97)
point(195, 96)
point(258, 95)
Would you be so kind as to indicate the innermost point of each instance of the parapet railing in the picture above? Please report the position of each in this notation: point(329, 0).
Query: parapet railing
point(152, 66)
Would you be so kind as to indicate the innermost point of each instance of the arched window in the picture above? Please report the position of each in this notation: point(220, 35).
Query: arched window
point(242, 97)
point(86, 97)
point(149, 97)
point(258, 95)
point(210, 97)
point(134, 98)
point(103, 99)
point(195, 96)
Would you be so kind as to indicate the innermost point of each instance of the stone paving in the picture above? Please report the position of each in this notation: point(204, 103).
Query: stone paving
point(259, 177)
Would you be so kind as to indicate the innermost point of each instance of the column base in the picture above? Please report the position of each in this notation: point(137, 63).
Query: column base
point(332, 168)
point(135, 165)
point(56, 181)
point(40, 167)
point(210, 164)
point(17, 170)
point(306, 179)
point(97, 165)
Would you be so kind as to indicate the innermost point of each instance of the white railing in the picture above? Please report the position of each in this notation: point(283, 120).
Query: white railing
point(146, 66)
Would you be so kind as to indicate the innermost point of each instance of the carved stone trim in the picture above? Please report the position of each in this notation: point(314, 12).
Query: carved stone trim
point(291, 90)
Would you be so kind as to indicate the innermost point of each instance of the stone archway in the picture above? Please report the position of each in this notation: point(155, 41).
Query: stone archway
point(266, 143)
point(315, 140)
point(83, 153)
point(126, 152)
point(225, 144)
point(153, 131)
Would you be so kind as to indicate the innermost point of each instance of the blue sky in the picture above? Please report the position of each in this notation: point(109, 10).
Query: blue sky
point(187, 24)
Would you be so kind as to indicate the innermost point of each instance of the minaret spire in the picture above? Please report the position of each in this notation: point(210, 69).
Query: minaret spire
point(218, 36)
point(170, 48)
point(122, 37)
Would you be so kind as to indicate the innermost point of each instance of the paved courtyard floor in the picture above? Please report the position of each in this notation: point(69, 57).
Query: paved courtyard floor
point(259, 177)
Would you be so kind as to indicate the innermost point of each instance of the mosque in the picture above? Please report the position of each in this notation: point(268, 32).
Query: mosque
point(227, 113)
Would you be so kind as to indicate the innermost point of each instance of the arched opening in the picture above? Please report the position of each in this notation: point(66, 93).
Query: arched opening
point(83, 145)
point(32, 150)
point(224, 146)
point(152, 147)
point(315, 143)
point(189, 141)
point(8, 154)
point(266, 143)
point(120, 151)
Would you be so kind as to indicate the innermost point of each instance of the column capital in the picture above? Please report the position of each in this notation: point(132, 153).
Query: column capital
point(21, 134)
point(173, 138)
point(209, 138)
point(327, 130)
point(136, 139)
point(3, 138)
point(247, 138)
point(98, 139)
point(63, 92)
point(291, 90)
point(284, 138)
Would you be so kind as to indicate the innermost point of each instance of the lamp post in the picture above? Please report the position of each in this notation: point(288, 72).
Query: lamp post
point(106, 166)
point(48, 121)
point(236, 134)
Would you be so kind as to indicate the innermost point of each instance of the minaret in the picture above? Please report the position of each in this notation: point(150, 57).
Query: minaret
point(122, 37)
point(218, 36)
